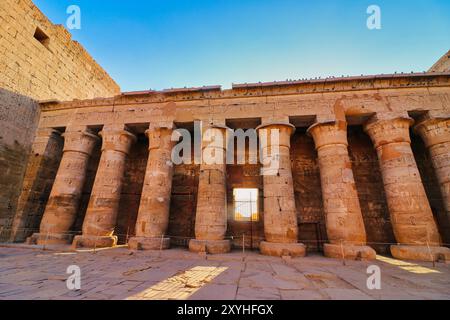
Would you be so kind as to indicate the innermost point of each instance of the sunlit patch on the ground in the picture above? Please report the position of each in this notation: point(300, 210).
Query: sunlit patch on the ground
point(180, 286)
point(407, 266)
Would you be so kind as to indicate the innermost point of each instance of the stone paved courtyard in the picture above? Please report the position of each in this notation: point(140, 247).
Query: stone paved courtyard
point(30, 273)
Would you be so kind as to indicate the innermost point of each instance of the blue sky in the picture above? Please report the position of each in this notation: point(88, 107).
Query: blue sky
point(161, 44)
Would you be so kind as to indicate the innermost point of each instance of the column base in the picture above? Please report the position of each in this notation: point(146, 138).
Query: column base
point(44, 239)
point(420, 253)
point(349, 252)
point(143, 243)
point(210, 246)
point(277, 249)
point(85, 241)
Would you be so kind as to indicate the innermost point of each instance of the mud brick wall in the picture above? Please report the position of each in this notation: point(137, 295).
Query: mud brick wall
point(18, 122)
point(369, 185)
point(428, 175)
point(59, 68)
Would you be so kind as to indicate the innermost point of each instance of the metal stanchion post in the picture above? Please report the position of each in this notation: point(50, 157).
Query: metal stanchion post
point(431, 254)
point(95, 244)
point(343, 254)
point(45, 242)
point(128, 232)
point(161, 245)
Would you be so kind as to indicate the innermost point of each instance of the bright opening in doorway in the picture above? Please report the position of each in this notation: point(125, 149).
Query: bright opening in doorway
point(245, 204)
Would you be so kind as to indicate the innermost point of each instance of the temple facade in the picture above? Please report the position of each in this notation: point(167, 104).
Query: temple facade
point(363, 167)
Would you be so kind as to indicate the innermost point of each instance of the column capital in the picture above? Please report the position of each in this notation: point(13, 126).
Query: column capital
point(82, 141)
point(389, 130)
point(286, 130)
point(157, 130)
point(433, 130)
point(117, 140)
point(328, 133)
point(159, 136)
point(216, 126)
point(277, 125)
point(210, 134)
point(47, 132)
point(45, 141)
point(161, 125)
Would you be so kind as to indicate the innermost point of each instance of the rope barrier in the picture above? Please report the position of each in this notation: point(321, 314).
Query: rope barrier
point(238, 237)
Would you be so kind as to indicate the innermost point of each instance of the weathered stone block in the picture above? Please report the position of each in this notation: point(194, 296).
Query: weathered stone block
point(349, 251)
point(282, 249)
point(420, 253)
point(210, 246)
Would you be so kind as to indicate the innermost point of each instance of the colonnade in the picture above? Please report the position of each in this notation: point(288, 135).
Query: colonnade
point(414, 228)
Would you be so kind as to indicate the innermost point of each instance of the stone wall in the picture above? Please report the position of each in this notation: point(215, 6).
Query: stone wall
point(183, 203)
point(132, 189)
point(443, 64)
point(245, 176)
point(369, 185)
point(39, 61)
point(18, 122)
point(56, 68)
point(307, 191)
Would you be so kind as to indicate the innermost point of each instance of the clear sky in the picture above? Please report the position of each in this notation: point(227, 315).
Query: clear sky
point(161, 44)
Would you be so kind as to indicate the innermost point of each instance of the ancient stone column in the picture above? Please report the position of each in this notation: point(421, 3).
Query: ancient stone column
point(344, 222)
point(62, 206)
point(211, 215)
point(101, 214)
point(44, 155)
point(280, 215)
point(153, 216)
point(435, 132)
point(412, 219)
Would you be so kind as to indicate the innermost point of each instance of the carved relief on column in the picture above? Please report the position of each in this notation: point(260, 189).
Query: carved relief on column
point(412, 219)
point(153, 216)
point(62, 206)
point(344, 221)
point(280, 215)
point(435, 132)
point(211, 215)
point(44, 155)
point(101, 215)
